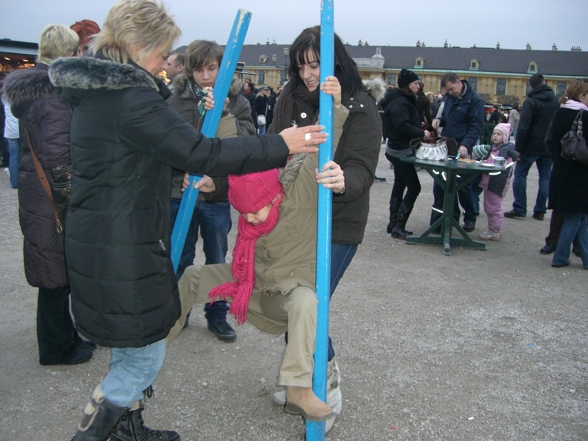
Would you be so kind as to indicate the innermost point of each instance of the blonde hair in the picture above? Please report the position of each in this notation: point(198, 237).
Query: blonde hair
point(135, 28)
point(574, 90)
point(57, 41)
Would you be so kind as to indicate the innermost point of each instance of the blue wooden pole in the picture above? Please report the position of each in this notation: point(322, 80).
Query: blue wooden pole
point(209, 127)
point(316, 431)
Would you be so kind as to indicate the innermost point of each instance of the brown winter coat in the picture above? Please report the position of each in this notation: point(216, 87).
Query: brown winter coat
point(45, 118)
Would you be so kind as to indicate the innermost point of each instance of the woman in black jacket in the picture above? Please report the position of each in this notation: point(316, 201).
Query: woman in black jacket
point(124, 141)
point(44, 132)
point(402, 123)
point(568, 185)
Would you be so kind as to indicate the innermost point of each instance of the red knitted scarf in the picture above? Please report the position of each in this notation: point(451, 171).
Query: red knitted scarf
point(243, 266)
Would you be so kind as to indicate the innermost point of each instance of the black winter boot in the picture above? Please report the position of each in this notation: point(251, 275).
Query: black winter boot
point(131, 428)
point(216, 318)
point(403, 214)
point(394, 204)
point(100, 418)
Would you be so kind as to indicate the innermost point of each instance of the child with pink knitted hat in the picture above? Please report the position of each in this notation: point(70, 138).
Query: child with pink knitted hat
point(496, 185)
point(271, 280)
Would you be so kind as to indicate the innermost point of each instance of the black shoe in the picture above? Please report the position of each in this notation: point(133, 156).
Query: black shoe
point(436, 231)
point(539, 215)
point(514, 215)
point(87, 345)
point(469, 226)
point(132, 428)
point(561, 266)
point(400, 233)
point(80, 356)
point(389, 228)
point(222, 329)
point(576, 251)
point(547, 249)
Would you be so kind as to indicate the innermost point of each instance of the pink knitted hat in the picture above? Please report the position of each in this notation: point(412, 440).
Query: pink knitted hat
point(505, 129)
point(251, 192)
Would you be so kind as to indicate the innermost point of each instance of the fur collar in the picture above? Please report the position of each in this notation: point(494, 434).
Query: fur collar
point(89, 73)
point(181, 85)
point(376, 88)
point(24, 86)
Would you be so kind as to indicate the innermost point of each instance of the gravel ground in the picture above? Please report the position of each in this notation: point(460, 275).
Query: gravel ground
point(480, 345)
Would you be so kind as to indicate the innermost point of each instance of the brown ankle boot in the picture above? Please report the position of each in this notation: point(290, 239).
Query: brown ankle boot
point(303, 401)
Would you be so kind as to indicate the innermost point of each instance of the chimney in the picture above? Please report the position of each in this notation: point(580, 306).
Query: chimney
point(528, 47)
point(554, 47)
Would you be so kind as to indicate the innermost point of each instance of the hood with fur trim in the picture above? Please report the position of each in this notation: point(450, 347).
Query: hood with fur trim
point(24, 86)
point(89, 73)
point(376, 88)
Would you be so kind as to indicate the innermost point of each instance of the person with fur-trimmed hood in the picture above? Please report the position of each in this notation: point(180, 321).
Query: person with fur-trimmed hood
point(357, 151)
point(212, 215)
point(44, 136)
point(124, 142)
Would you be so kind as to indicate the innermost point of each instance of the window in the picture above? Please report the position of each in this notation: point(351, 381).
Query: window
point(392, 79)
point(532, 67)
point(560, 90)
point(474, 64)
point(261, 77)
point(263, 59)
point(419, 63)
point(473, 82)
point(528, 89)
point(501, 86)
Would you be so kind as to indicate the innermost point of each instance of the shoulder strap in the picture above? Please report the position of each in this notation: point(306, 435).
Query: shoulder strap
point(44, 181)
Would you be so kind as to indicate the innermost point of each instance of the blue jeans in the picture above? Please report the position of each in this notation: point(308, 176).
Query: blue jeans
point(261, 130)
point(519, 184)
point(574, 227)
point(13, 147)
point(214, 221)
point(341, 257)
point(132, 370)
point(465, 197)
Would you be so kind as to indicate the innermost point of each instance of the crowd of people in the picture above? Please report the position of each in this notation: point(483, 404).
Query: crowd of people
point(100, 149)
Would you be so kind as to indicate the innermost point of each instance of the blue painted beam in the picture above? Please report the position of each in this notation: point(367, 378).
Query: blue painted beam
point(316, 431)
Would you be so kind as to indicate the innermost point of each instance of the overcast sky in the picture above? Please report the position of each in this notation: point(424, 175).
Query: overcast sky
point(513, 23)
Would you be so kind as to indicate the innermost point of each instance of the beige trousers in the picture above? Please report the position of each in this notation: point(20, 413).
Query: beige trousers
point(295, 312)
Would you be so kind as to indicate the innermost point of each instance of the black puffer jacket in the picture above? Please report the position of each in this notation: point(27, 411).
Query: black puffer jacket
point(45, 118)
point(536, 114)
point(124, 141)
point(568, 185)
point(401, 121)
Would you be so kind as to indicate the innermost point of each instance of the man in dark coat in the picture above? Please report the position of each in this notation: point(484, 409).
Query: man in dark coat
point(462, 119)
point(536, 114)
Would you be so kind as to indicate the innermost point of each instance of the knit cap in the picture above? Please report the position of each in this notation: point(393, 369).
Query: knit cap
point(406, 77)
point(251, 192)
point(481, 151)
point(505, 129)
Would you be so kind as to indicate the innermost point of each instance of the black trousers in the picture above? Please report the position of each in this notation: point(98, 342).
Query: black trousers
point(405, 177)
point(56, 334)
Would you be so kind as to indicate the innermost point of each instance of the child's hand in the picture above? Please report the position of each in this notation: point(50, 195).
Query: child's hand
point(332, 87)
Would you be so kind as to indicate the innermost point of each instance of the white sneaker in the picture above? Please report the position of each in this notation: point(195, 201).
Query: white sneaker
point(7, 170)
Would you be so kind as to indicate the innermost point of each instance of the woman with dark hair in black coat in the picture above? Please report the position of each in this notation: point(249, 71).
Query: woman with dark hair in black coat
point(402, 123)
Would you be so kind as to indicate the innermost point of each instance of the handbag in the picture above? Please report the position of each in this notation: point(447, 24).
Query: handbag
point(573, 143)
point(45, 184)
point(261, 120)
point(434, 149)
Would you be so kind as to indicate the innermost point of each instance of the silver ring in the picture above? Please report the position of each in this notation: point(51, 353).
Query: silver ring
point(307, 137)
